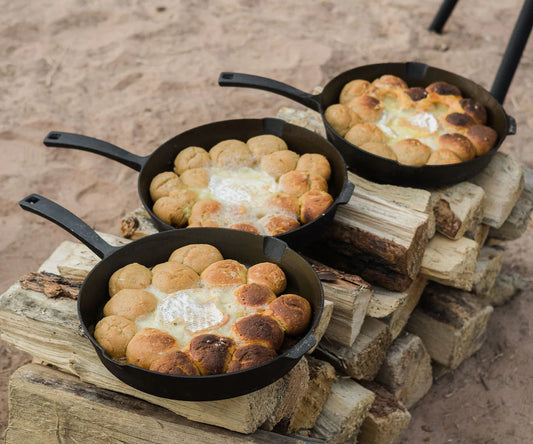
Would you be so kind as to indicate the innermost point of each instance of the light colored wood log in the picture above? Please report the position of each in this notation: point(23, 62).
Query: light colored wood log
point(137, 224)
point(344, 412)
point(458, 208)
point(488, 267)
point(451, 323)
point(363, 359)
point(323, 324)
point(384, 302)
point(386, 419)
point(58, 407)
point(406, 371)
point(451, 262)
point(519, 219)
point(479, 234)
point(49, 330)
point(505, 287)
point(503, 181)
point(307, 118)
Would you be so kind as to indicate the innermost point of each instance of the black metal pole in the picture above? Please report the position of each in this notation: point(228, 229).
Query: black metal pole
point(513, 53)
point(442, 15)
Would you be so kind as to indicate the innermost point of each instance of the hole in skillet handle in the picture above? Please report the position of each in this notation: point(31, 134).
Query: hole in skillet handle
point(274, 248)
point(33, 199)
point(53, 136)
point(226, 76)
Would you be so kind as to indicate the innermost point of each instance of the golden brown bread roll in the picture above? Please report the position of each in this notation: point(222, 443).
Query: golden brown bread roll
point(268, 274)
point(205, 210)
point(443, 157)
point(204, 223)
point(443, 89)
point(389, 81)
point(278, 224)
point(135, 276)
point(282, 203)
point(411, 152)
point(191, 157)
point(175, 362)
point(279, 163)
point(249, 356)
point(265, 144)
point(458, 123)
point(341, 118)
point(130, 304)
point(353, 89)
point(379, 149)
point(416, 93)
point(170, 277)
point(231, 154)
point(459, 144)
point(254, 295)
point(114, 333)
point(226, 272)
point(365, 133)
point(316, 164)
point(211, 353)
point(313, 204)
point(148, 345)
point(163, 184)
point(245, 226)
point(475, 110)
point(368, 108)
point(185, 199)
point(292, 312)
point(259, 329)
point(196, 256)
point(171, 211)
point(483, 138)
point(299, 182)
point(195, 178)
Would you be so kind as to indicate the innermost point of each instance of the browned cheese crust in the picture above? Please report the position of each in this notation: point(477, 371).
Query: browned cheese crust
point(259, 329)
point(458, 122)
point(254, 295)
point(249, 356)
point(148, 345)
point(416, 93)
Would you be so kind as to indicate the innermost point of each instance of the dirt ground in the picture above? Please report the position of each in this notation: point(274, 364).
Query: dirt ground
point(136, 73)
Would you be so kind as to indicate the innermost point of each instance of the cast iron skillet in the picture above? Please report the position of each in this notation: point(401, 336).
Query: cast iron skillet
point(380, 169)
point(299, 140)
point(239, 245)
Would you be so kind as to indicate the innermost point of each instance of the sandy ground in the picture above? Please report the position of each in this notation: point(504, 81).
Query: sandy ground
point(137, 73)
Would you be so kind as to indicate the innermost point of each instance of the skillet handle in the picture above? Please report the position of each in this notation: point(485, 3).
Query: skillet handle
point(250, 81)
point(511, 125)
point(77, 141)
point(301, 348)
point(71, 223)
point(346, 193)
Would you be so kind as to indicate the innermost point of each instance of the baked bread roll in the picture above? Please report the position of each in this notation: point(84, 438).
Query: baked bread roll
point(185, 199)
point(313, 204)
point(458, 123)
point(353, 89)
point(163, 184)
point(299, 182)
point(278, 224)
point(279, 163)
point(148, 345)
point(226, 272)
point(249, 356)
point(259, 329)
point(416, 93)
point(292, 312)
point(368, 108)
point(204, 223)
point(211, 353)
point(195, 178)
point(475, 110)
point(245, 226)
point(443, 157)
point(191, 157)
point(282, 203)
point(175, 362)
point(205, 210)
point(130, 304)
point(268, 274)
point(365, 133)
point(389, 81)
point(411, 152)
point(316, 164)
point(459, 145)
point(135, 276)
point(171, 211)
point(379, 149)
point(443, 89)
point(483, 138)
point(231, 154)
point(114, 333)
point(254, 295)
point(265, 144)
point(341, 118)
point(196, 256)
point(170, 277)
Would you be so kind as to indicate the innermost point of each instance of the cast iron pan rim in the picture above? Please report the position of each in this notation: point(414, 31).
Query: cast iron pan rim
point(104, 354)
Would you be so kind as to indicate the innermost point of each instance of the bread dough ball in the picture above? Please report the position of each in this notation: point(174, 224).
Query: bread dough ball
point(299, 182)
point(245, 226)
point(279, 163)
point(268, 274)
point(205, 223)
point(389, 81)
point(254, 295)
point(231, 154)
point(135, 276)
point(460, 145)
point(443, 89)
point(313, 204)
point(483, 138)
point(249, 356)
point(316, 164)
point(205, 210)
point(282, 203)
point(226, 272)
point(265, 144)
point(475, 110)
point(353, 89)
point(379, 149)
point(365, 133)
point(416, 93)
point(341, 118)
point(175, 362)
point(196, 256)
point(368, 108)
point(114, 333)
point(278, 224)
point(131, 304)
point(292, 312)
point(411, 152)
point(185, 199)
point(211, 353)
point(443, 157)
point(163, 184)
point(148, 345)
point(171, 211)
point(191, 157)
point(170, 277)
point(259, 329)
point(196, 178)
point(458, 123)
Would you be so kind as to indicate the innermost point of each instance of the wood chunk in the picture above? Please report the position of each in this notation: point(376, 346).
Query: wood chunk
point(458, 208)
point(58, 407)
point(488, 267)
point(58, 256)
point(321, 378)
point(386, 419)
point(344, 412)
point(451, 323)
point(406, 371)
point(363, 359)
point(479, 234)
point(323, 324)
point(307, 118)
point(518, 221)
point(137, 224)
point(503, 181)
point(451, 262)
point(384, 302)
point(51, 285)
point(504, 288)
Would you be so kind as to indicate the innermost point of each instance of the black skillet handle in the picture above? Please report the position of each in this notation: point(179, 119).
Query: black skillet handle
point(301, 348)
point(250, 81)
point(71, 223)
point(511, 125)
point(77, 141)
point(346, 193)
